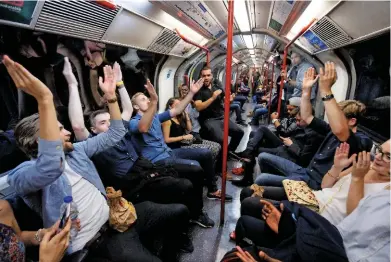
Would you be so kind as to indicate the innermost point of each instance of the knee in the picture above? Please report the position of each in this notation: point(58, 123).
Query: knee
point(248, 205)
point(179, 212)
point(246, 192)
point(5, 207)
point(264, 157)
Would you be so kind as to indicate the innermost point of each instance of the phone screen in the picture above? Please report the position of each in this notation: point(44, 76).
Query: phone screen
point(64, 217)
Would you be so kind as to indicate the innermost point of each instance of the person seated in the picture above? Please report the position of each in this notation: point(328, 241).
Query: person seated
point(209, 102)
point(177, 132)
point(344, 118)
point(52, 241)
point(235, 106)
point(263, 109)
point(284, 233)
point(342, 188)
point(147, 136)
point(121, 167)
point(283, 127)
point(59, 168)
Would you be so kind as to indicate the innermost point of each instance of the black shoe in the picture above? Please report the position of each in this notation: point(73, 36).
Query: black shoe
point(245, 154)
point(187, 244)
point(233, 156)
point(203, 220)
point(242, 123)
point(242, 183)
point(211, 196)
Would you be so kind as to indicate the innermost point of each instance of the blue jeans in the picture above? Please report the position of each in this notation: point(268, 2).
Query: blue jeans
point(286, 169)
point(196, 156)
point(235, 106)
point(258, 113)
point(240, 99)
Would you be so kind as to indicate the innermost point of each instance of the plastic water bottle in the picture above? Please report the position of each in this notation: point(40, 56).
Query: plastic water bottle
point(69, 207)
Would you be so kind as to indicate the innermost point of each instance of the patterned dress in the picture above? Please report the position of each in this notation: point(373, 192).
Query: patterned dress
point(11, 248)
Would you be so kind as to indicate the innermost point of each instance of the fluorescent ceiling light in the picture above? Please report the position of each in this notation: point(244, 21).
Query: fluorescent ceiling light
point(251, 51)
point(316, 9)
point(249, 41)
point(241, 16)
point(252, 55)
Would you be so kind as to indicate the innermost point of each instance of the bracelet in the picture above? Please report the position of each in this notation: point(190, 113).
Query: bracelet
point(327, 97)
point(120, 83)
point(328, 173)
point(111, 101)
point(37, 237)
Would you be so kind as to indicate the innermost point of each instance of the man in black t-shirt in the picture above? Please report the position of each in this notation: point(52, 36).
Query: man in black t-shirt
point(209, 102)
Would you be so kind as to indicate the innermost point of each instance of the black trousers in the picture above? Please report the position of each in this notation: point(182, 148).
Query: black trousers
point(155, 222)
point(271, 192)
point(251, 228)
point(212, 129)
point(263, 137)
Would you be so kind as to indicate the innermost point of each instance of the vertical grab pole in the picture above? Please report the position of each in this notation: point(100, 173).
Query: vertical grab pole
point(270, 99)
point(226, 105)
point(284, 61)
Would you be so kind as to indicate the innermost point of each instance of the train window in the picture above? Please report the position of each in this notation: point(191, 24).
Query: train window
point(372, 63)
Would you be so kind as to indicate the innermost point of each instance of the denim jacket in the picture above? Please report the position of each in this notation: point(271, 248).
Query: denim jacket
point(40, 182)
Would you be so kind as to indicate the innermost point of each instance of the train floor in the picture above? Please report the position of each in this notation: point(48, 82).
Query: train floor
point(210, 245)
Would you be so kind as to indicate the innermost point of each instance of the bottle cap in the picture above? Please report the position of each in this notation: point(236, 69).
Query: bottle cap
point(68, 199)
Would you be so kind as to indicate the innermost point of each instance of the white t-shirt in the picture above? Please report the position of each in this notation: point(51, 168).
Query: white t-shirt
point(335, 198)
point(92, 207)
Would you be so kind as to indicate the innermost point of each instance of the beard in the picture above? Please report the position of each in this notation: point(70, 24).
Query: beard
point(68, 147)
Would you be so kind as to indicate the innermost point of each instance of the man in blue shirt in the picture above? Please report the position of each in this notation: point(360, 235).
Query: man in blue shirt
point(149, 140)
point(295, 77)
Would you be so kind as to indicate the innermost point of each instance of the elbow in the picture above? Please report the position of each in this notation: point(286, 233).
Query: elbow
point(78, 128)
point(51, 168)
point(143, 129)
point(342, 132)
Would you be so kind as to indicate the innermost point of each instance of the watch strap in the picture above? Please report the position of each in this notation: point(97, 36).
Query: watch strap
point(327, 97)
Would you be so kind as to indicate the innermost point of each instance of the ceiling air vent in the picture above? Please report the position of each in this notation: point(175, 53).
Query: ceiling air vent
point(331, 33)
point(81, 19)
point(164, 42)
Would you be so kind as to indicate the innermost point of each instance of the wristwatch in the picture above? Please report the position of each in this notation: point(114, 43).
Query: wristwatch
point(327, 97)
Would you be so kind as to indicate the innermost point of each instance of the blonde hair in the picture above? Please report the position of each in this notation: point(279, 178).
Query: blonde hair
point(134, 97)
point(352, 109)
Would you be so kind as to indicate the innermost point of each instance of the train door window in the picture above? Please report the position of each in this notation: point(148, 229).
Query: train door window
point(372, 63)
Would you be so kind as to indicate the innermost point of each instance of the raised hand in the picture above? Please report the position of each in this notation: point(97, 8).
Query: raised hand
point(362, 165)
point(108, 86)
point(53, 246)
point(117, 72)
point(327, 77)
point(151, 91)
point(68, 74)
point(341, 157)
point(195, 86)
point(25, 81)
point(309, 79)
point(271, 215)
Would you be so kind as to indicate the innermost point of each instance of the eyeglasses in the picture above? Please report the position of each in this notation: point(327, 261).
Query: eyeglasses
point(385, 156)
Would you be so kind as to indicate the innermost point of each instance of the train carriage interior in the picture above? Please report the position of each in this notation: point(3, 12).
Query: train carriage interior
point(255, 59)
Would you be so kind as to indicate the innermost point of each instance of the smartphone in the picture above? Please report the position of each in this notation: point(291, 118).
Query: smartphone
point(65, 216)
